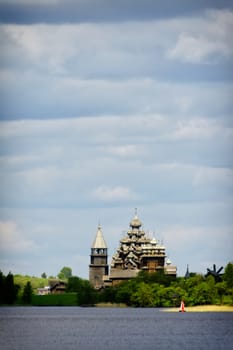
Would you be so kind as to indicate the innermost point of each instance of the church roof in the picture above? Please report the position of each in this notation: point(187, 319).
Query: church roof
point(135, 222)
point(99, 241)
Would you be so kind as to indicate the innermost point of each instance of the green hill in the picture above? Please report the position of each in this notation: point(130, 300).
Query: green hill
point(36, 282)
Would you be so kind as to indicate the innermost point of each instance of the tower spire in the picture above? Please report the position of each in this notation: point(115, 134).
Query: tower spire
point(187, 274)
point(99, 241)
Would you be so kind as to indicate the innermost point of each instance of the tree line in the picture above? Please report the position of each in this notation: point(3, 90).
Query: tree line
point(146, 290)
point(159, 290)
point(9, 291)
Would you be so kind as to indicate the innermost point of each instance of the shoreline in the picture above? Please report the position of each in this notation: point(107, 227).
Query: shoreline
point(202, 308)
point(197, 308)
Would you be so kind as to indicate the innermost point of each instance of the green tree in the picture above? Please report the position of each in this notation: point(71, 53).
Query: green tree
point(10, 290)
point(156, 277)
point(86, 294)
point(27, 293)
point(228, 275)
point(143, 296)
point(228, 279)
point(177, 294)
point(221, 290)
point(65, 273)
point(73, 284)
point(43, 275)
point(124, 292)
point(2, 288)
point(168, 296)
point(107, 295)
point(204, 294)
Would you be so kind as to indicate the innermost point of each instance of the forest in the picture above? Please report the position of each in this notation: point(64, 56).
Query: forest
point(146, 290)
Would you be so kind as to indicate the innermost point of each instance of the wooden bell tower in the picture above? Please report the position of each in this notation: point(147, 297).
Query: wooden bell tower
point(98, 260)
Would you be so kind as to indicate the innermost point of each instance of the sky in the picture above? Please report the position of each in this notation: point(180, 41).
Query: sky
point(108, 106)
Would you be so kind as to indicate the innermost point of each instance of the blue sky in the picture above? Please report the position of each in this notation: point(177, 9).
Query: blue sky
point(107, 106)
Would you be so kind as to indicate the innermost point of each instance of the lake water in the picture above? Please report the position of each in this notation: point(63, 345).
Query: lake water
point(48, 328)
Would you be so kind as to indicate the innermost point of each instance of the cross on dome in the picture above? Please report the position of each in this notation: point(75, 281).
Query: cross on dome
point(135, 222)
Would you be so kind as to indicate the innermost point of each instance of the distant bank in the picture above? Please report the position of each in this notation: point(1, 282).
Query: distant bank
point(202, 308)
point(197, 308)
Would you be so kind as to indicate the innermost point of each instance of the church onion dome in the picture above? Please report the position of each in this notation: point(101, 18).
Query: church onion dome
point(99, 242)
point(153, 241)
point(135, 222)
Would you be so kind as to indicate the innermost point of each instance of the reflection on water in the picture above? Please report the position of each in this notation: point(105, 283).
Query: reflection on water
point(27, 328)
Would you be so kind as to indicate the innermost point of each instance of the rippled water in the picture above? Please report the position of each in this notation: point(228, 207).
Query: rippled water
point(27, 328)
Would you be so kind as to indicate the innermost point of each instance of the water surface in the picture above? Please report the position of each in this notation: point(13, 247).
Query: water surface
point(62, 328)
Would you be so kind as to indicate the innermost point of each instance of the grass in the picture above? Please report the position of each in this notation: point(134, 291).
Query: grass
point(36, 282)
point(66, 299)
point(110, 305)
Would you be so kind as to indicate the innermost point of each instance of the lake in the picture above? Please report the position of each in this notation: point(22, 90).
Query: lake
point(48, 328)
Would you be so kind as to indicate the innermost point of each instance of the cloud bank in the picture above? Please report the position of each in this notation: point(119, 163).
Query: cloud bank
point(110, 106)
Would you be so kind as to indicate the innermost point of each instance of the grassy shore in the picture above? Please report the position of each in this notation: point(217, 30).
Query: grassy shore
point(198, 308)
point(110, 305)
point(202, 308)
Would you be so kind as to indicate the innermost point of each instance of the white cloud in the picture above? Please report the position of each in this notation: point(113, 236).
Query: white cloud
point(57, 162)
point(12, 239)
point(216, 177)
point(195, 49)
point(199, 129)
point(98, 127)
point(115, 130)
point(126, 151)
point(117, 116)
point(40, 177)
point(207, 37)
point(198, 246)
point(136, 50)
point(117, 193)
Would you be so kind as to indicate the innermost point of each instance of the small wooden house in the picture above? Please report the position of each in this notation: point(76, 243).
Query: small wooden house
point(57, 286)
